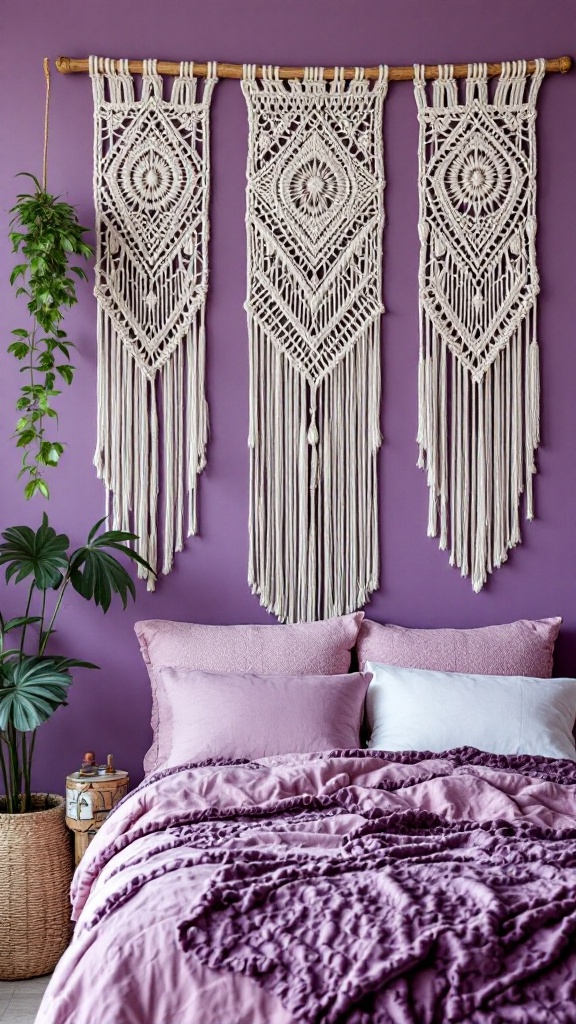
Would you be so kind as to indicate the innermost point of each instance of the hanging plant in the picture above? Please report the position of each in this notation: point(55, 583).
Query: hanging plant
point(46, 232)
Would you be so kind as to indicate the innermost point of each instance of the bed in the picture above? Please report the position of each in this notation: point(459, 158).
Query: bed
point(338, 885)
point(348, 886)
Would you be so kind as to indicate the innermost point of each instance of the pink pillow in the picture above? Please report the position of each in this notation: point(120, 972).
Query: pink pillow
point(523, 648)
point(253, 716)
point(307, 648)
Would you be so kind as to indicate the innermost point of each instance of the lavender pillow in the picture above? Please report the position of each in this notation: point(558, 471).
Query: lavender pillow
point(307, 648)
point(245, 715)
point(523, 648)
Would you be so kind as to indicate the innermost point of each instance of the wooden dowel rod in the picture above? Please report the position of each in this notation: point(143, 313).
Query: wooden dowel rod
point(73, 65)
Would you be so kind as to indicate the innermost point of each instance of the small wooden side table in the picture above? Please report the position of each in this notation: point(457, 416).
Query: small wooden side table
point(89, 800)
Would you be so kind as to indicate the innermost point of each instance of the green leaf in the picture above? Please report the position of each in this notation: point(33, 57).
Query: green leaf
point(50, 452)
point(96, 574)
point(68, 663)
point(19, 271)
point(27, 174)
point(32, 689)
point(42, 555)
point(20, 620)
point(21, 332)
point(66, 372)
point(25, 438)
point(6, 655)
point(45, 362)
point(19, 349)
point(95, 528)
point(29, 492)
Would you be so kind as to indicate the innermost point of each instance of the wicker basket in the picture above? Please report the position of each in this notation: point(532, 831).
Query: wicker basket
point(35, 876)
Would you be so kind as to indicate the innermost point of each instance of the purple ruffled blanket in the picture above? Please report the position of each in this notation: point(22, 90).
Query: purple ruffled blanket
point(346, 888)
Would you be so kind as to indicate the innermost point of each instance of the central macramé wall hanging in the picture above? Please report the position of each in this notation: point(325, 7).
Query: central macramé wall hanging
point(151, 190)
point(315, 219)
point(478, 374)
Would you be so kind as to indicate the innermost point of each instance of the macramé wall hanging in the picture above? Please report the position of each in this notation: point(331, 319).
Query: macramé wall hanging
point(478, 373)
point(151, 191)
point(315, 219)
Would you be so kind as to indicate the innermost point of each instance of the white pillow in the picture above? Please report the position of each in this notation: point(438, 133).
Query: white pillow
point(413, 709)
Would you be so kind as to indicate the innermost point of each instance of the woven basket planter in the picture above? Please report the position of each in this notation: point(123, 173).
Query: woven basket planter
point(35, 876)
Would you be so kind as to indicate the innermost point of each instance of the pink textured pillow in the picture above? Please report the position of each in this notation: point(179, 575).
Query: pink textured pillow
point(253, 716)
point(523, 648)
point(307, 648)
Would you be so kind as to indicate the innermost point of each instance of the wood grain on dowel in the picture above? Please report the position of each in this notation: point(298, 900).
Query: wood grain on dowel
point(73, 65)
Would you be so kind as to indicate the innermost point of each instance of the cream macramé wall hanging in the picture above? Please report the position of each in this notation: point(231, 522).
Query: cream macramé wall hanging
point(151, 191)
point(478, 373)
point(315, 218)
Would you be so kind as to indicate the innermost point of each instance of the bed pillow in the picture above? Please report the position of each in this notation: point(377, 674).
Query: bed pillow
point(311, 648)
point(412, 709)
point(523, 648)
point(245, 715)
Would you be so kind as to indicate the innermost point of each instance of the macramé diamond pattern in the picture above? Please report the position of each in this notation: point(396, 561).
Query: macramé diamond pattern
point(477, 200)
point(153, 199)
point(315, 205)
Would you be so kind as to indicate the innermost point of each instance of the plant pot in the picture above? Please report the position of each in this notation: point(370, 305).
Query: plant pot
point(35, 876)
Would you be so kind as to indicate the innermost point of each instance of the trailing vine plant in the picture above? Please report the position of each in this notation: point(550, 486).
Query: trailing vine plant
point(46, 233)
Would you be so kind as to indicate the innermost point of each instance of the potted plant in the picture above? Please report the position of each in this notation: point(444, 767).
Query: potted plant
point(35, 855)
point(35, 846)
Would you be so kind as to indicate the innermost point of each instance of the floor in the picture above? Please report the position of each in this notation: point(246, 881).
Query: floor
point(19, 1000)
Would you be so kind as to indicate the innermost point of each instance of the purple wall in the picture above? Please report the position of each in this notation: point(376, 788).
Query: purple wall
point(109, 710)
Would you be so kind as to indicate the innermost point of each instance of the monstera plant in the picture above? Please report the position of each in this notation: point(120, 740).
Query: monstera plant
point(33, 682)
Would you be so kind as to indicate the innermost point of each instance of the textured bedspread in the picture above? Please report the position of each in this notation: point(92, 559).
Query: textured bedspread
point(343, 888)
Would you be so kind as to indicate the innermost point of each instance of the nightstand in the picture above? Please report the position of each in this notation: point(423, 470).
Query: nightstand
point(89, 800)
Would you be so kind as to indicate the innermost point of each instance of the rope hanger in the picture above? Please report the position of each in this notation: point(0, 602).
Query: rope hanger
point(75, 65)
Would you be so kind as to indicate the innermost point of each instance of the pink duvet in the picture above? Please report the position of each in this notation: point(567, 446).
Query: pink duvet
point(350, 887)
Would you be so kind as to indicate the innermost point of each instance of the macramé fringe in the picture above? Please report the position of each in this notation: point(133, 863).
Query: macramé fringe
point(479, 452)
point(132, 454)
point(313, 481)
